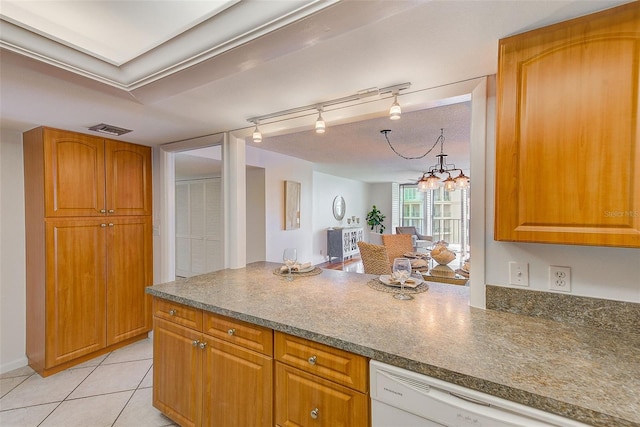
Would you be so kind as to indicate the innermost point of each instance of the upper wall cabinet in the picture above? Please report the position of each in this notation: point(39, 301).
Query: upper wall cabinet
point(567, 153)
point(93, 176)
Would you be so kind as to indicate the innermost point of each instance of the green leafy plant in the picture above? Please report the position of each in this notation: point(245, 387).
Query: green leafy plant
point(374, 220)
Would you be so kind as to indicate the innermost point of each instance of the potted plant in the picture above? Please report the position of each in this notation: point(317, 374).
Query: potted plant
point(374, 219)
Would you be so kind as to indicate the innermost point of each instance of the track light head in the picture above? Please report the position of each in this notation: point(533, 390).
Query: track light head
point(320, 124)
point(257, 135)
point(395, 111)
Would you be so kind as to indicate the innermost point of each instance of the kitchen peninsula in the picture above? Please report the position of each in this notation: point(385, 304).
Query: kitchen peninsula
point(586, 374)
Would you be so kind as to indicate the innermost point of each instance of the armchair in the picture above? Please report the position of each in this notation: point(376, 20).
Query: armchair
point(419, 240)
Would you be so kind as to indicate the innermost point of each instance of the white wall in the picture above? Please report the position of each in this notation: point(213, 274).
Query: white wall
point(278, 169)
point(256, 214)
point(12, 253)
point(381, 196)
point(325, 189)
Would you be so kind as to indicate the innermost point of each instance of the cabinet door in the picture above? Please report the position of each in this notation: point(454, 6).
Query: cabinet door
point(303, 399)
point(238, 386)
point(75, 289)
point(74, 171)
point(568, 145)
point(177, 373)
point(128, 178)
point(129, 260)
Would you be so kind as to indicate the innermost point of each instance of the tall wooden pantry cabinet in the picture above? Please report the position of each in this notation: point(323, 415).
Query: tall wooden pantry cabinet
point(89, 246)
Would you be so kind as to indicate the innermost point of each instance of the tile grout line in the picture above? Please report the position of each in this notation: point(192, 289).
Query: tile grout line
point(74, 389)
point(132, 394)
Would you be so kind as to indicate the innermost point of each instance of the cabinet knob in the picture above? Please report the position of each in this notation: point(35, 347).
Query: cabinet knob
point(172, 312)
point(103, 211)
point(231, 331)
point(202, 345)
point(110, 224)
point(312, 360)
point(111, 211)
point(103, 225)
point(315, 413)
point(195, 343)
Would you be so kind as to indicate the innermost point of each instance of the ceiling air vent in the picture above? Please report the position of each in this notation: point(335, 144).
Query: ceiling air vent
point(109, 129)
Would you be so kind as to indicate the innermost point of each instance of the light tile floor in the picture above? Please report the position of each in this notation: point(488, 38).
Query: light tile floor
point(110, 390)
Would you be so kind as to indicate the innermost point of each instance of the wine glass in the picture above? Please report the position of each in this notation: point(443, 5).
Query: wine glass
point(290, 256)
point(401, 272)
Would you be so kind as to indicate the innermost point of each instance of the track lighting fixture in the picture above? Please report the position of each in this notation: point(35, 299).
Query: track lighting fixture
point(320, 125)
point(294, 113)
point(395, 110)
point(257, 135)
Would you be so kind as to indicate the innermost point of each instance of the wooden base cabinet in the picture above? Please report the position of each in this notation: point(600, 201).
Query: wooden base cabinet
point(177, 372)
point(303, 399)
point(210, 370)
point(318, 385)
point(88, 246)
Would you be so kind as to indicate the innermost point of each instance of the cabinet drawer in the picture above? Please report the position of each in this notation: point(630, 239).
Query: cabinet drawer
point(247, 335)
point(303, 399)
point(178, 313)
point(327, 362)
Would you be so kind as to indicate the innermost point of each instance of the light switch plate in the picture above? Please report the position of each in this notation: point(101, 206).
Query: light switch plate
point(519, 273)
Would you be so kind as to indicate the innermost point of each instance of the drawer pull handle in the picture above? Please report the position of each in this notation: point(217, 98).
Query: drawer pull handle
point(312, 360)
point(172, 312)
point(231, 331)
point(202, 345)
point(195, 343)
point(315, 413)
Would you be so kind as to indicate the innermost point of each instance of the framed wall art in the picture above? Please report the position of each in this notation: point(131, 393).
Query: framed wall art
point(291, 205)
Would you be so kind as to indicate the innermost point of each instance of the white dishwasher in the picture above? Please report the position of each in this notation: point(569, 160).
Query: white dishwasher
point(401, 398)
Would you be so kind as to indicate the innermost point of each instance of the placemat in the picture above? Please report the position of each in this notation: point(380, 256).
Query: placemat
point(379, 286)
point(316, 270)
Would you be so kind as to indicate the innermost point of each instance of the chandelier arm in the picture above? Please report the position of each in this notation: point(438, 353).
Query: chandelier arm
point(385, 132)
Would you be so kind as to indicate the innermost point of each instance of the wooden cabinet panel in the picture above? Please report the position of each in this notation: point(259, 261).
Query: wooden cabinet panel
point(128, 178)
point(177, 373)
point(130, 271)
point(327, 362)
point(303, 399)
point(178, 313)
point(238, 386)
point(74, 167)
point(568, 147)
point(75, 275)
point(244, 334)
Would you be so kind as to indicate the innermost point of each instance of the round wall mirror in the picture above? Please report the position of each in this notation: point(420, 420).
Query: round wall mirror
point(339, 207)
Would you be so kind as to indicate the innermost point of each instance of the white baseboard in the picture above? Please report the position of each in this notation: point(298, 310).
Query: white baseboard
point(14, 364)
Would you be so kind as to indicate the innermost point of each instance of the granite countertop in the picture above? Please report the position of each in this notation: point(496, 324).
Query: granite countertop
point(586, 374)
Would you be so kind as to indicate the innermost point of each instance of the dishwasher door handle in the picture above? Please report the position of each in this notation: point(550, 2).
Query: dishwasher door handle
point(469, 399)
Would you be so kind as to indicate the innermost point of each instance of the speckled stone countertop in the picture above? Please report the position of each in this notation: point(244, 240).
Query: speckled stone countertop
point(586, 374)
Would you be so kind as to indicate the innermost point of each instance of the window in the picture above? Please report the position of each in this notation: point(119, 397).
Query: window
point(438, 213)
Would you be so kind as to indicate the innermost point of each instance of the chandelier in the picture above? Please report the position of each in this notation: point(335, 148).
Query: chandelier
point(429, 180)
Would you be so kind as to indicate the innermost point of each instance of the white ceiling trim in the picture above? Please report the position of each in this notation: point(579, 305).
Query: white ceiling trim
point(233, 27)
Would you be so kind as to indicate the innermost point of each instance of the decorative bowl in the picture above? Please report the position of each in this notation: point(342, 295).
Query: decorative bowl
point(442, 255)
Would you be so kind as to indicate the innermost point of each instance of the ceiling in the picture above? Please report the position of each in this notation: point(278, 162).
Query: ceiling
point(177, 70)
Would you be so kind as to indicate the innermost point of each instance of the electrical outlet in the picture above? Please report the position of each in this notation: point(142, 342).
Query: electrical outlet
point(519, 273)
point(560, 278)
